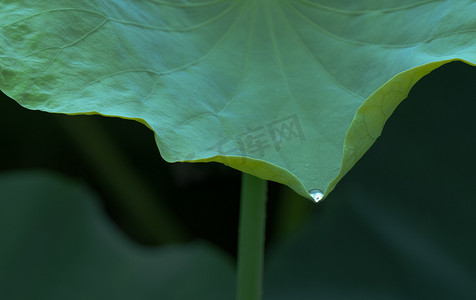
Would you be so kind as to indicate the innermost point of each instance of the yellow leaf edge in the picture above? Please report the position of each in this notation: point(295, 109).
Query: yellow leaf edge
point(256, 167)
point(365, 128)
point(370, 118)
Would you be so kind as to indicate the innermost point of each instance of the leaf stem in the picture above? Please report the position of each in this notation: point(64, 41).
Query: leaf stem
point(251, 237)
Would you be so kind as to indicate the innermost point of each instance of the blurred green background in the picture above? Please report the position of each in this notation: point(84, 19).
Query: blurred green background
point(400, 225)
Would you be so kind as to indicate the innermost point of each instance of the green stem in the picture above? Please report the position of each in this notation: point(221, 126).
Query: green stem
point(251, 238)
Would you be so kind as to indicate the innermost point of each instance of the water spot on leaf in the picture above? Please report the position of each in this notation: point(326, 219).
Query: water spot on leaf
point(316, 195)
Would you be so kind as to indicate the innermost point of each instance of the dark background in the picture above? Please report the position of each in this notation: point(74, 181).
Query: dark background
point(404, 216)
point(119, 159)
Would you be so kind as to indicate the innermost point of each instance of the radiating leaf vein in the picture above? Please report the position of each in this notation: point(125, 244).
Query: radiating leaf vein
point(367, 11)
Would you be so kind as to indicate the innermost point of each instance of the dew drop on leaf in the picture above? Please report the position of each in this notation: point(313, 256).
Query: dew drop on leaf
point(316, 194)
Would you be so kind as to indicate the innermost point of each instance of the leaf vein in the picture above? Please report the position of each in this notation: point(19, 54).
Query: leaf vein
point(361, 43)
point(222, 14)
point(60, 49)
point(315, 58)
point(186, 5)
point(363, 12)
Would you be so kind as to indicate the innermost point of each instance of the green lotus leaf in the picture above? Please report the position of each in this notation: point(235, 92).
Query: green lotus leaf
point(290, 91)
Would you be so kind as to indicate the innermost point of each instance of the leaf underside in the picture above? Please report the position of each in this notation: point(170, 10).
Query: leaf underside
point(290, 91)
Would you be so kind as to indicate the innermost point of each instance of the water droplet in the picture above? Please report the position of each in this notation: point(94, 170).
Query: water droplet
point(316, 195)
